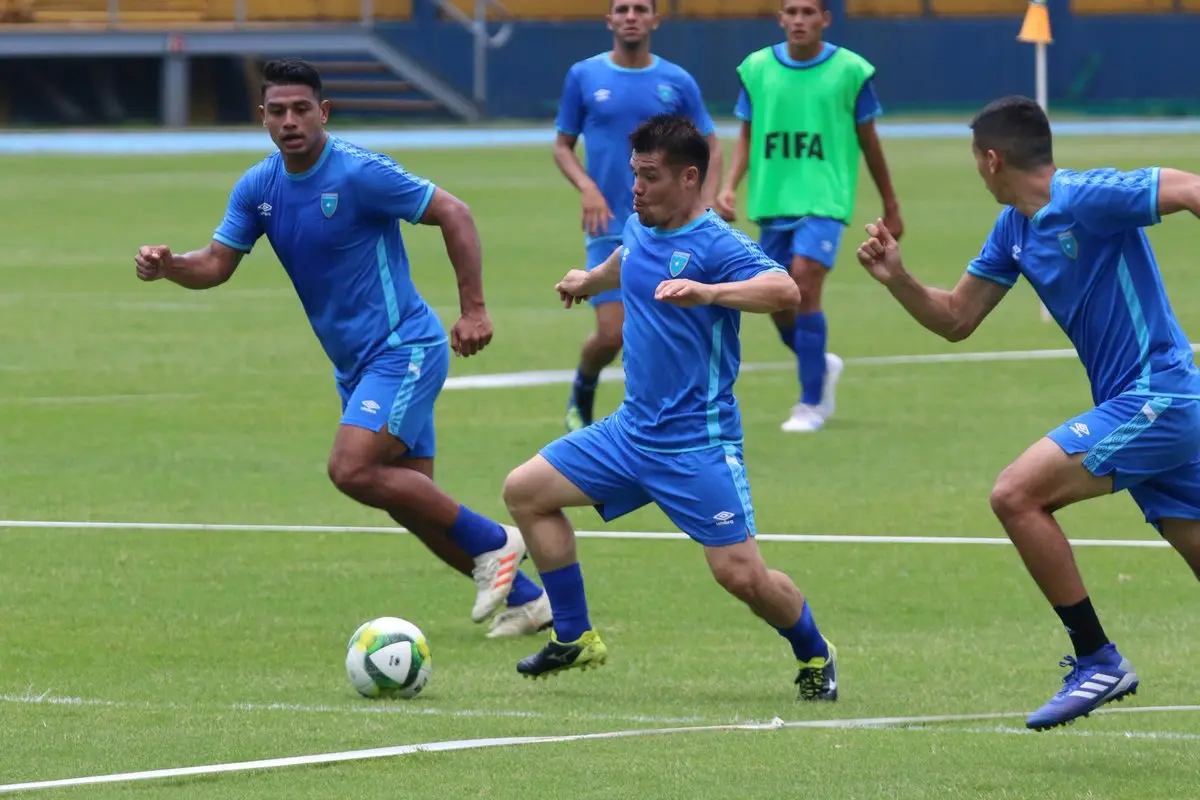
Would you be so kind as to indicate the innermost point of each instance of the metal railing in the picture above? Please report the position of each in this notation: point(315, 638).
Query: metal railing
point(124, 13)
point(483, 41)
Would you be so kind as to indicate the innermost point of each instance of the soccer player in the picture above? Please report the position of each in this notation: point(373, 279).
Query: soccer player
point(1078, 238)
point(603, 99)
point(808, 109)
point(331, 212)
point(676, 440)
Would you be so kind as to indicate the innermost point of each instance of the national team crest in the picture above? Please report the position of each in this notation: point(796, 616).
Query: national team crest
point(329, 201)
point(679, 262)
point(1070, 246)
point(666, 94)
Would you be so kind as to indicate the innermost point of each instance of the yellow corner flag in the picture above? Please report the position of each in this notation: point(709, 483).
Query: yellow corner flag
point(1036, 28)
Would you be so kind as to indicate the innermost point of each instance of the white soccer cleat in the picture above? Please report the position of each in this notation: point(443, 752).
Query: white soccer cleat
point(494, 572)
point(833, 371)
point(523, 620)
point(804, 419)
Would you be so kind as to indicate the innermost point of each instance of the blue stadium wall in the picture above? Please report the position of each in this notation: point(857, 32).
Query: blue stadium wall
point(1106, 64)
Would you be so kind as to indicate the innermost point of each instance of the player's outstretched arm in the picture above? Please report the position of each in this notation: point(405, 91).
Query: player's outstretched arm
point(199, 269)
point(765, 293)
point(473, 331)
point(953, 315)
point(1178, 191)
point(578, 285)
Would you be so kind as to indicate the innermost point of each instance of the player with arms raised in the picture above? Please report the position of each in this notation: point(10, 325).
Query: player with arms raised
point(676, 440)
point(1078, 238)
point(808, 109)
point(603, 99)
point(330, 211)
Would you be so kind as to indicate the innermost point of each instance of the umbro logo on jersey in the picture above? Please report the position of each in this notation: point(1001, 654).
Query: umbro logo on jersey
point(601, 95)
point(264, 209)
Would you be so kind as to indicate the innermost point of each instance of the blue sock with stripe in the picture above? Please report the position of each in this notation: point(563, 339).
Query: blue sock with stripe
point(476, 534)
point(568, 602)
point(806, 640)
point(810, 356)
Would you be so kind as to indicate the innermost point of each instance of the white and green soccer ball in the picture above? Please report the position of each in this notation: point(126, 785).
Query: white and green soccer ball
point(388, 657)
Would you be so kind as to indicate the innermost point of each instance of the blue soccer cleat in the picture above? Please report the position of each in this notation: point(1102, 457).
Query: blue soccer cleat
point(1093, 681)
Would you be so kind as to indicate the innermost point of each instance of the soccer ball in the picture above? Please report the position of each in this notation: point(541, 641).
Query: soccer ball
point(388, 657)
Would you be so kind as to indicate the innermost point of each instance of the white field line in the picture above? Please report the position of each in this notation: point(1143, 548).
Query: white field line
point(815, 538)
point(511, 741)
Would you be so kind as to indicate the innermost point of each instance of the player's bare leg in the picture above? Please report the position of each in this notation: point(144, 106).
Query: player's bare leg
point(536, 494)
point(818, 370)
point(772, 595)
point(1028, 492)
point(600, 349)
point(1184, 536)
point(363, 467)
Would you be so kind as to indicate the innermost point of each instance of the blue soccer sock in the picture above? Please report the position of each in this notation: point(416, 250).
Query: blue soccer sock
point(523, 591)
point(476, 534)
point(788, 335)
point(568, 602)
point(583, 394)
point(810, 356)
point(806, 640)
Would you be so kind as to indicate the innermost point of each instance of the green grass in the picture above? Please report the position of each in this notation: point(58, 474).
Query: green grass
point(131, 402)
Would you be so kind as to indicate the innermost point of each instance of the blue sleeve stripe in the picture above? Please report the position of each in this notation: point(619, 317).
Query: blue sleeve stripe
point(865, 118)
point(774, 268)
point(563, 130)
point(225, 240)
point(989, 276)
point(429, 190)
point(741, 116)
point(1155, 175)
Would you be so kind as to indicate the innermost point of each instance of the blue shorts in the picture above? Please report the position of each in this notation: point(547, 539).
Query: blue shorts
point(598, 252)
point(398, 390)
point(1149, 445)
point(815, 238)
point(704, 492)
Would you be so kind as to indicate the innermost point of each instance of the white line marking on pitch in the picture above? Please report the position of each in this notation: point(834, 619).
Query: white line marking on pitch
point(511, 741)
point(509, 380)
point(813, 538)
point(383, 707)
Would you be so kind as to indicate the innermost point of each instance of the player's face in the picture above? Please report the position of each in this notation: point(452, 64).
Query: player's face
point(804, 21)
point(659, 193)
point(631, 21)
point(294, 118)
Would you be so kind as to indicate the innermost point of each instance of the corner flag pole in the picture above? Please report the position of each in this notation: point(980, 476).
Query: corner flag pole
point(1036, 30)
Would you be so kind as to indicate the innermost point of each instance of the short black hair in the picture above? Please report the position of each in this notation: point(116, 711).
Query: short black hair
point(822, 4)
point(1018, 129)
point(677, 138)
point(291, 72)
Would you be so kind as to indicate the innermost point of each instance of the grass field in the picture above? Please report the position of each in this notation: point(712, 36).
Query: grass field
point(157, 649)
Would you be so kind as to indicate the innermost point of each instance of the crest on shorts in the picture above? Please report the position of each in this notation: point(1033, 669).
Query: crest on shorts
point(679, 262)
point(329, 202)
point(1070, 247)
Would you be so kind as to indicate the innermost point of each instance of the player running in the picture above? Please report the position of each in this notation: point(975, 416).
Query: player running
point(676, 440)
point(1078, 238)
point(330, 211)
point(808, 109)
point(603, 99)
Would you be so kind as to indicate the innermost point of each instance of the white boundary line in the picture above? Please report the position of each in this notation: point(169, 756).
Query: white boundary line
point(812, 538)
point(511, 741)
point(509, 380)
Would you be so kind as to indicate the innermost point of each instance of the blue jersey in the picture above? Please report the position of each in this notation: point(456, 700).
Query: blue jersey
point(681, 363)
point(1089, 260)
point(605, 103)
point(335, 229)
point(866, 108)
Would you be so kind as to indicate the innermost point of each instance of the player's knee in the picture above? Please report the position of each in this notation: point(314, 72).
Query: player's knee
point(1011, 496)
point(352, 477)
point(521, 492)
point(743, 579)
